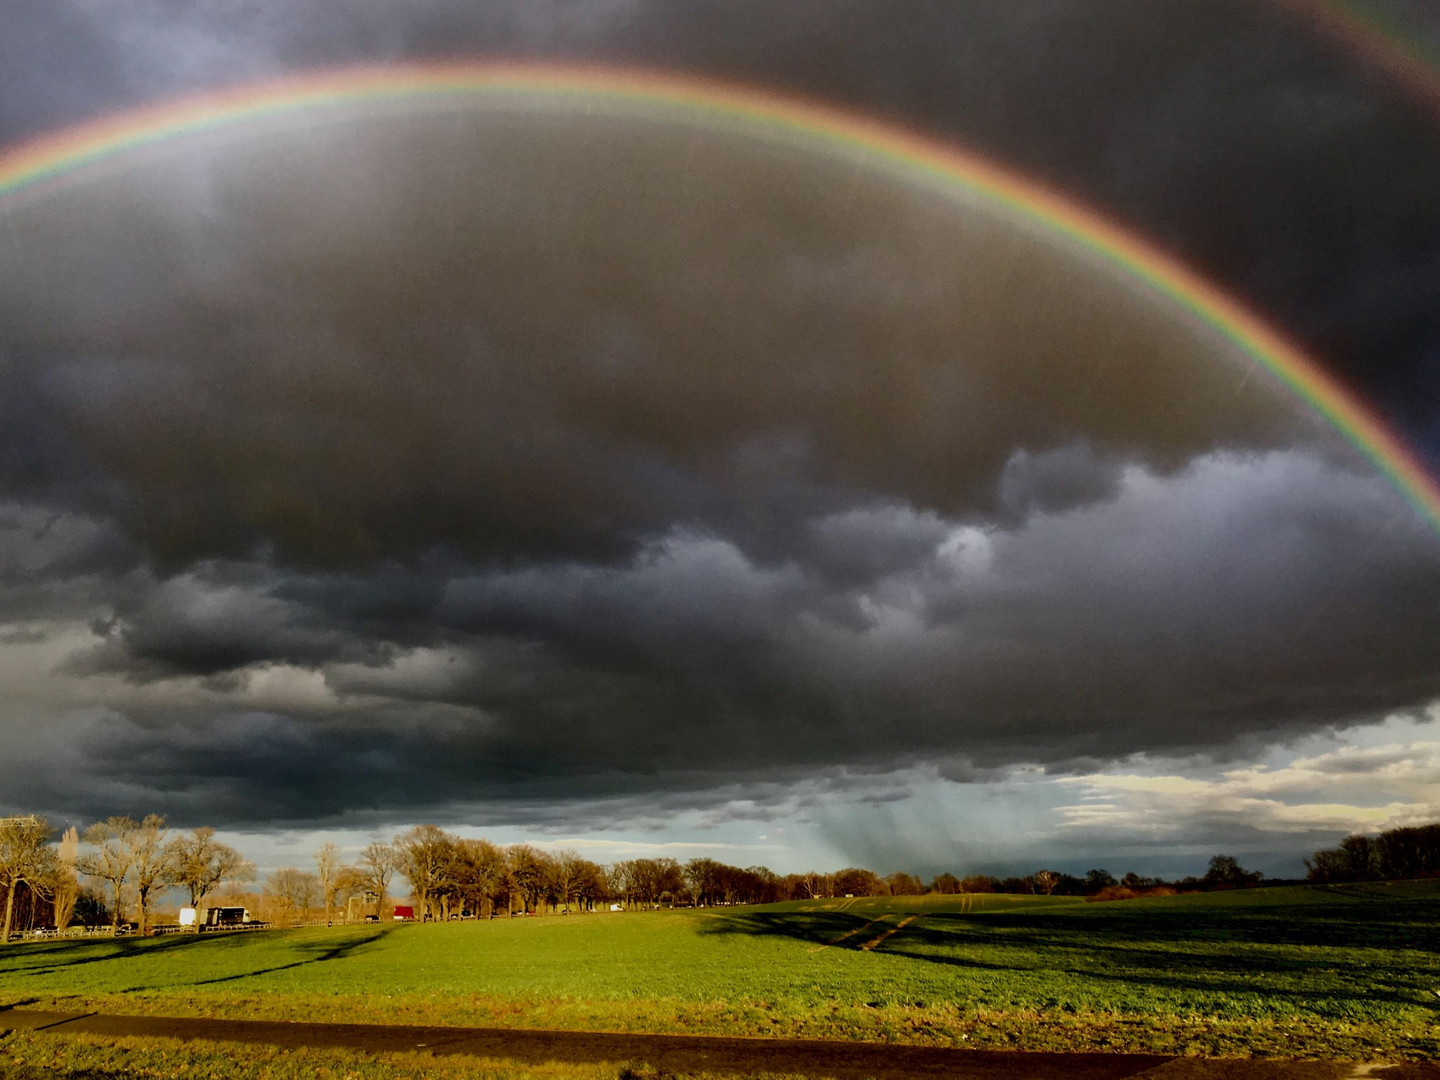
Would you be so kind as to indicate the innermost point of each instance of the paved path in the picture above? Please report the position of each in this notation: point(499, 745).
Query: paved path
point(692, 1053)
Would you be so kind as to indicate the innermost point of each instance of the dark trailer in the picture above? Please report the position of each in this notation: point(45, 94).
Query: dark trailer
point(226, 916)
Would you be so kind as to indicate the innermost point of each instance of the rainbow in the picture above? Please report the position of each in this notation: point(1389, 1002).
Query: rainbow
point(55, 156)
point(1381, 42)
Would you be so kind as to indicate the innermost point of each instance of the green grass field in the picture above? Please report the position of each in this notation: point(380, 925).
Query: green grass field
point(1349, 972)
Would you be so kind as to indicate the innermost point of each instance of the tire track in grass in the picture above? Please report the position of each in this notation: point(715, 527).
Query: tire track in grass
point(851, 933)
point(869, 945)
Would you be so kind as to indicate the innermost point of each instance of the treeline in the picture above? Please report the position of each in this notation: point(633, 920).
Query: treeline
point(1224, 872)
point(1409, 852)
point(451, 875)
point(121, 865)
point(129, 863)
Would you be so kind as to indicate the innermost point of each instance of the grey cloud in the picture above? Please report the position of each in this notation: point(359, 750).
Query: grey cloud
point(865, 542)
point(194, 624)
point(1069, 641)
point(1359, 762)
point(1057, 479)
point(43, 544)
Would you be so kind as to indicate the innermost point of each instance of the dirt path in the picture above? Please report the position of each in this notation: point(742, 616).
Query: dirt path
point(693, 1053)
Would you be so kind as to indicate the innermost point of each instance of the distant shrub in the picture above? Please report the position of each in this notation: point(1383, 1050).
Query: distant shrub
point(1122, 892)
point(1113, 892)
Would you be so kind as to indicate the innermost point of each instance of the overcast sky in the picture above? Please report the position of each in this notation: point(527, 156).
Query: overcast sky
point(611, 477)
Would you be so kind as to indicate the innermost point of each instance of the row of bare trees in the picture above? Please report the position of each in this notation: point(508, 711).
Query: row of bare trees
point(447, 875)
point(456, 875)
point(133, 860)
point(293, 893)
point(450, 874)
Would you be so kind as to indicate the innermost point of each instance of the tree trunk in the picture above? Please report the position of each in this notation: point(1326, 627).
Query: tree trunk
point(9, 913)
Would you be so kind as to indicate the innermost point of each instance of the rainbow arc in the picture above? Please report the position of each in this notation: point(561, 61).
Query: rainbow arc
point(30, 166)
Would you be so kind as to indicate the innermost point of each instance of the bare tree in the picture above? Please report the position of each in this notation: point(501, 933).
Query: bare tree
point(378, 863)
point(154, 861)
point(699, 876)
point(565, 869)
point(446, 890)
point(423, 855)
point(669, 881)
point(203, 863)
point(815, 885)
point(590, 886)
point(1226, 871)
point(1046, 880)
point(330, 874)
point(65, 886)
point(111, 860)
point(352, 883)
point(620, 881)
point(293, 891)
point(477, 872)
point(903, 884)
point(25, 859)
point(525, 872)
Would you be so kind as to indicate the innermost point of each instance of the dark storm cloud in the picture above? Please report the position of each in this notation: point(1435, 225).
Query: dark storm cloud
point(607, 327)
point(1244, 136)
point(370, 466)
point(196, 624)
point(1073, 641)
point(249, 768)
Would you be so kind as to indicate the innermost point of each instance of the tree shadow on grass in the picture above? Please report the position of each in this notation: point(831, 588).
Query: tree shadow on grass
point(314, 953)
point(57, 955)
point(1388, 989)
point(54, 961)
point(1121, 950)
point(1407, 927)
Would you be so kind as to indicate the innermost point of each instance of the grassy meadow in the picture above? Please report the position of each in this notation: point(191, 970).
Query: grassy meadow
point(1322, 971)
